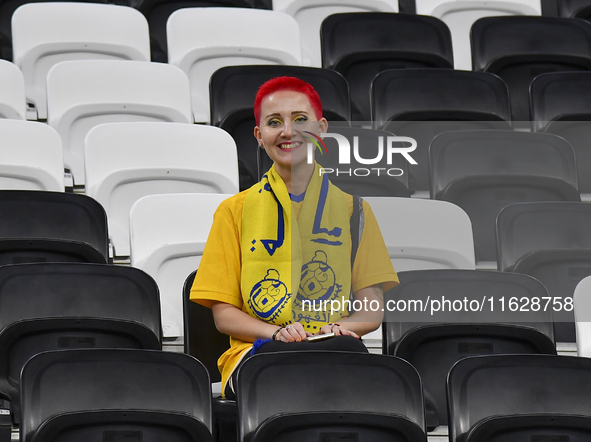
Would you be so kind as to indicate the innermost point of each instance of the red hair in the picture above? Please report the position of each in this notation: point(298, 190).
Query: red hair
point(287, 84)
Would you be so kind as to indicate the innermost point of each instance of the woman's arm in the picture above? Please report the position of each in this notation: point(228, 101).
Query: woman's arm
point(363, 321)
point(232, 321)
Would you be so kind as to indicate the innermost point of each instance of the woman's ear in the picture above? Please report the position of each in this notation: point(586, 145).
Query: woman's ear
point(257, 135)
point(323, 125)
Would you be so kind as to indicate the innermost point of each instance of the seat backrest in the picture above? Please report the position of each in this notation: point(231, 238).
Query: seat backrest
point(529, 227)
point(126, 161)
point(337, 381)
point(310, 13)
point(503, 386)
point(7, 8)
point(71, 305)
point(156, 382)
point(44, 34)
point(518, 48)
point(168, 234)
point(83, 94)
point(574, 9)
point(31, 155)
point(560, 104)
point(52, 290)
point(72, 227)
point(158, 11)
point(482, 197)
point(424, 234)
point(233, 90)
point(433, 319)
point(202, 40)
point(459, 17)
point(439, 285)
point(454, 155)
point(361, 45)
point(201, 337)
point(582, 307)
point(12, 92)
point(422, 103)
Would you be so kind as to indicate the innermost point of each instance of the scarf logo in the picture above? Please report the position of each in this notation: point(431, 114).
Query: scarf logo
point(268, 296)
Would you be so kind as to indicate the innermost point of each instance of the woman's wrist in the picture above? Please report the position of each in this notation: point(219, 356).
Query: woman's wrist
point(274, 337)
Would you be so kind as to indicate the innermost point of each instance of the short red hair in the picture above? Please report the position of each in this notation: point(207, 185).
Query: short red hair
point(287, 84)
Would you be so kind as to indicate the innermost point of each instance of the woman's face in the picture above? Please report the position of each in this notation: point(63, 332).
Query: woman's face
point(286, 116)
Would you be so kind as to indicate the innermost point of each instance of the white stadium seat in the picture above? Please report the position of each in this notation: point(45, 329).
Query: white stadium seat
point(84, 94)
point(13, 104)
point(43, 34)
point(202, 40)
point(127, 161)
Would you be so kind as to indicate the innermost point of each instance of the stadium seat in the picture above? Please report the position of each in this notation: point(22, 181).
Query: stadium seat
point(44, 34)
point(483, 197)
point(30, 156)
point(348, 396)
point(520, 397)
point(83, 94)
point(422, 103)
point(560, 104)
point(551, 242)
point(98, 395)
point(40, 226)
point(459, 17)
point(310, 13)
point(454, 155)
point(433, 342)
point(7, 8)
point(158, 11)
point(202, 40)
point(12, 91)
point(424, 234)
point(168, 234)
point(53, 306)
point(582, 307)
point(519, 48)
point(386, 177)
point(361, 45)
point(203, 341)
point(574, 9)
point(126, 161)
point(233, 89)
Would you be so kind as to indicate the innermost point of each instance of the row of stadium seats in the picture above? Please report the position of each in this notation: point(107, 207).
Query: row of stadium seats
point(357, 45)
point(59, 306)
point(167, 234)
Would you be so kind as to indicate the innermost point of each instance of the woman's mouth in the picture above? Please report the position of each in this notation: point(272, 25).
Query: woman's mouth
point(291, 145)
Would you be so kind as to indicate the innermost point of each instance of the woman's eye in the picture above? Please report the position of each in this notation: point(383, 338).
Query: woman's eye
point(274, 122)
point(300, 119)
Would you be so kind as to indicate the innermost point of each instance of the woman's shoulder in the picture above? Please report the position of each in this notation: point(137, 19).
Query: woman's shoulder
point(233, 205)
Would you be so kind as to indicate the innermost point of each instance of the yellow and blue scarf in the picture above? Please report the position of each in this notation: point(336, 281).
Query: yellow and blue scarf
point(281, 250)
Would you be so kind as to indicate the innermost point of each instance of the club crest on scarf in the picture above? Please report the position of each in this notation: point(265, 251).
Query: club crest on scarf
point(268, 296)
point(317, 284)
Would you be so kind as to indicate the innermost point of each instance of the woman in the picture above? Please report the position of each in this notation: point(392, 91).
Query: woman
point(278, 257)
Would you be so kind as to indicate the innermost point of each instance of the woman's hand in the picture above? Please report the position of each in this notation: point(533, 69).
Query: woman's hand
point(292, 333)
point(338, 330)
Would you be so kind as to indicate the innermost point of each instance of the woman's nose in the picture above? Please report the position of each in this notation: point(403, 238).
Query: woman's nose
point(286, 133)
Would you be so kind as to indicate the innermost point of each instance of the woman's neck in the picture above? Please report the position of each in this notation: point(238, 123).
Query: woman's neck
point(296, 178)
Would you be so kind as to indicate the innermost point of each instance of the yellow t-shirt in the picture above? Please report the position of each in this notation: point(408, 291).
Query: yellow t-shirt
point(218, 278)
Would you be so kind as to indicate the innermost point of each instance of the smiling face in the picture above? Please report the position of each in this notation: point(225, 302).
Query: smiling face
point(285, 117)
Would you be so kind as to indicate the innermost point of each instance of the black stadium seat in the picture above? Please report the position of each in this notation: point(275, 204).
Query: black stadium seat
point(72, 305)
point(421, 103)
point(560, 104)
point(519, 48)
point(361, 45)
point(322, 395)
point(514, 398)
point(115, 395)
point(40, 226)
point(432, 344)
